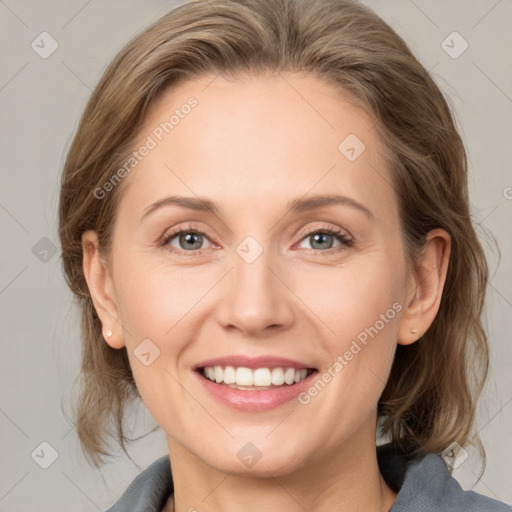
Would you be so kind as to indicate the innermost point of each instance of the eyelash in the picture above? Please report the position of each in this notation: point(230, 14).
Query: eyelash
point(337, 233)
point(346, 242)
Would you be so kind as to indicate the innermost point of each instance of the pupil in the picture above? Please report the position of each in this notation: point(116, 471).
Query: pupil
point(189, 238)
point(318, 238)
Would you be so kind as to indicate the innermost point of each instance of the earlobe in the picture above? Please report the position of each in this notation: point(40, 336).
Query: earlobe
point(426, 285)
point(101, 289)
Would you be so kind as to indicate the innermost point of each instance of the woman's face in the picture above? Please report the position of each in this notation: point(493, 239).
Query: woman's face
point(265, 268)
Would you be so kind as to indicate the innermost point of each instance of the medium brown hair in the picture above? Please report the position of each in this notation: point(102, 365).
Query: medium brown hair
point(430, 398)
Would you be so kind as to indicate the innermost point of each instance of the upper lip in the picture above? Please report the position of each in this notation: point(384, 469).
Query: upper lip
point(252, 362)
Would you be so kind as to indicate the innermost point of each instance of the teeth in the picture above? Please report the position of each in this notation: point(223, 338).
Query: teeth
point(243, 376)
point(229, 375)
point(289, 374)
point(277, 376)
point(261, 377)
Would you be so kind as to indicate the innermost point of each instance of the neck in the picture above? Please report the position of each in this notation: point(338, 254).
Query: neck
point(348, 479)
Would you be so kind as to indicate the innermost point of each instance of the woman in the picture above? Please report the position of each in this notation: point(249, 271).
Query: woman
point(221, 149)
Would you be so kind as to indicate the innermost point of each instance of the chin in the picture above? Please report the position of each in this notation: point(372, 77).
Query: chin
point(259, 457)
point(264, 467)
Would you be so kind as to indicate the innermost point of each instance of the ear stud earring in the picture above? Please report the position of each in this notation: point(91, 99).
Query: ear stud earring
point(413, 331)
point(109, 333)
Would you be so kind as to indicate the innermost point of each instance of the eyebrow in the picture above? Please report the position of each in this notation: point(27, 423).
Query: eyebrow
point(312, 202)
point(296, 205)
point(193, 203)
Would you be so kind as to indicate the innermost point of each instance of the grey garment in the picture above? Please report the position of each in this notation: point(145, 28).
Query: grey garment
point(423, 485)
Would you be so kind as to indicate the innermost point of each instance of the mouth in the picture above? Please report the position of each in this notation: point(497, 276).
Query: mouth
point(258, 379)
point(254, 384)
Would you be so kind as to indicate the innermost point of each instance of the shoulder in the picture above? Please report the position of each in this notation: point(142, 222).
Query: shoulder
point(425, 484)
point(149, 491)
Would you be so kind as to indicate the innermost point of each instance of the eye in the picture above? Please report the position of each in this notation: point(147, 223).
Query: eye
point(185, 240)
point(325, 239)
point(190, 241)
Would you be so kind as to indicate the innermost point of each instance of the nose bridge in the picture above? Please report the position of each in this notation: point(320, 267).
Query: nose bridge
point(256, 299)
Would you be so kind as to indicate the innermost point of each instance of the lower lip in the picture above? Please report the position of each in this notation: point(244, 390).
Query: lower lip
point(254, 401)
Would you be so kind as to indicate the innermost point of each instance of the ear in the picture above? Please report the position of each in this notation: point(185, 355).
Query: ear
point(425, 287)
point(101, 288)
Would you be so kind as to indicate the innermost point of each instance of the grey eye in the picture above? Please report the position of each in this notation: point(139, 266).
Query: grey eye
point(321, 240)
point(188, 240)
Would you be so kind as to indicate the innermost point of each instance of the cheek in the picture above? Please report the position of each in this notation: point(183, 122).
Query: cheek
point(351, 299)
point(158, 304)
point(360, 307)
point(155, 299)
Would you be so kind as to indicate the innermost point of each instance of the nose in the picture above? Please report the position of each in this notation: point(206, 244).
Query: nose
point(256, 299)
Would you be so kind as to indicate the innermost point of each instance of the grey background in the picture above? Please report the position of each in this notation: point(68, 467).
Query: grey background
point(41, 101)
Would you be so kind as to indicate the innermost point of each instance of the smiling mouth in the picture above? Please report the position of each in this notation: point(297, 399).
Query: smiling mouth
point(258, 379)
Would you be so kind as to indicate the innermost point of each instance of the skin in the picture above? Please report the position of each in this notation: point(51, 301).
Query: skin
point(252, 144)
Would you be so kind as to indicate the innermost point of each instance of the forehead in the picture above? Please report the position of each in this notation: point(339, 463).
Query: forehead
point(259, 137)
